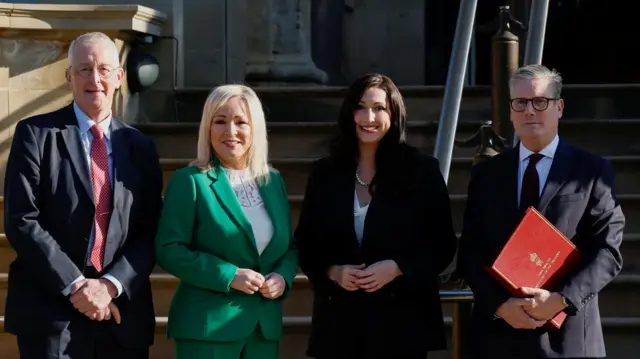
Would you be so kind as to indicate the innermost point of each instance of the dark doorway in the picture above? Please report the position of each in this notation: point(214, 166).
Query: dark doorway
point(587, 41)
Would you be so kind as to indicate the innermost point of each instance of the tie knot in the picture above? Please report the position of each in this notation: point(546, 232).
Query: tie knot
point(534, 158)
point(97, 132)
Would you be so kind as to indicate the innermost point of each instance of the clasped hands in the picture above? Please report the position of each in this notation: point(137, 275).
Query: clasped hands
point(271, 286)
point(531, 312)
point(92, 297)
point(369, 279)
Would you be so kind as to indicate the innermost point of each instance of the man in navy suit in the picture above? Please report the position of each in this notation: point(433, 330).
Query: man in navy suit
point(573, 189)
point(82, 201)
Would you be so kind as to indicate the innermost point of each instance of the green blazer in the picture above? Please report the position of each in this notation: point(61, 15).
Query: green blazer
point(203, 238)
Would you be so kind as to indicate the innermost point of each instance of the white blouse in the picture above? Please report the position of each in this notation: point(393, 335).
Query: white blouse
point(359, 215)
point(248, 194)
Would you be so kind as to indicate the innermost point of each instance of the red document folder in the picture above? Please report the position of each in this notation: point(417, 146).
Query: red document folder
point(537, 255)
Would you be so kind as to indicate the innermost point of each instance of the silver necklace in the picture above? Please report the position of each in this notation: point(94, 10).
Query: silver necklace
point(361, 182)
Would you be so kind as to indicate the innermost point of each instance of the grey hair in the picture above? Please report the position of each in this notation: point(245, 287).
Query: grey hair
point(92, 38)
point(529, 72)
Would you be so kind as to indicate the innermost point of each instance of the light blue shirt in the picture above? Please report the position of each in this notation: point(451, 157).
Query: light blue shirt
point(85, 124)
point(543, 166)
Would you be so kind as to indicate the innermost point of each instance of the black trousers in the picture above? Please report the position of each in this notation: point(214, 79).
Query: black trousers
point(82, 339)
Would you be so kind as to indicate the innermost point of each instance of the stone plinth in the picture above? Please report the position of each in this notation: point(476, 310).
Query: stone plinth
point(34, 41)
point(279, 39)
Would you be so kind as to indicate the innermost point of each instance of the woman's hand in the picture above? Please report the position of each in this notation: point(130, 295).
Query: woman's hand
point(247, 281)
point(377, 275)
point(273, 286)
point(346, 275)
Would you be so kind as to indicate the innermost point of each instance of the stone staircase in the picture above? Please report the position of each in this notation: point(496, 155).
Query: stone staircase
point(600, 118)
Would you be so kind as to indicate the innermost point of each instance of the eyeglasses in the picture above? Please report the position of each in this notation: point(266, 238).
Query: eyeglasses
point(104, 71)
point(538, 103)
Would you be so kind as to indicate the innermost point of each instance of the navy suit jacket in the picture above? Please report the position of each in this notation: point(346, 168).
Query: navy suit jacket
point(578, 199)
point(49, 212)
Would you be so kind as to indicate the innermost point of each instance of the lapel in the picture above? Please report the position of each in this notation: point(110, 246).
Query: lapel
point(228, 200)
point(271, 196)
point(510, 184)
point(561, 168)
point(122, 197)
point(344, 191)
point(73, 142)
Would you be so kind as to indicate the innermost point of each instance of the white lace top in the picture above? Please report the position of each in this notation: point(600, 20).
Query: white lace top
point(248, 194)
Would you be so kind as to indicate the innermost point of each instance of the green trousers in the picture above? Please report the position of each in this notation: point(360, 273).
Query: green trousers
point(253, 347)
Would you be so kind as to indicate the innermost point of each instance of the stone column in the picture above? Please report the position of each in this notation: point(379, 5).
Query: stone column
point(278, 43)
point(326, 37)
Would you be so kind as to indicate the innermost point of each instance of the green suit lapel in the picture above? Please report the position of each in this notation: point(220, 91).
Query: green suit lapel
point(271, 196)
point(223, 191)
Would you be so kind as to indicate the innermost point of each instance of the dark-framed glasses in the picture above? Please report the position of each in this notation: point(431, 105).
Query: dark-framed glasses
point(538, 103)
point(104, 71)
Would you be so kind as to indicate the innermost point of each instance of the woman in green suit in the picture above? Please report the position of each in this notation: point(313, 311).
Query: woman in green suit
point(225, 232)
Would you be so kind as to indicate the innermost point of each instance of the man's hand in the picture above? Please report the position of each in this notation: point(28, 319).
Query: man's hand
point(544, 305)
point(92, 297)
point(107, 313)
point(273, 286)
point(247, 281)
point(346, 275)
point(377, 275)
point(513, 312)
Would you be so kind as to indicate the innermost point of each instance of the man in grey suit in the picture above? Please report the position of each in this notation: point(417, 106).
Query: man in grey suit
point(573, 189)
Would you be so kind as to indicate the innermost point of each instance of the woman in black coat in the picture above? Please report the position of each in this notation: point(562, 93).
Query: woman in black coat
point(374, 233)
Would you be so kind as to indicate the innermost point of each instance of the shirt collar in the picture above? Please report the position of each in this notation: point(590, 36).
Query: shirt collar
point(85, 123)
point(548, 151)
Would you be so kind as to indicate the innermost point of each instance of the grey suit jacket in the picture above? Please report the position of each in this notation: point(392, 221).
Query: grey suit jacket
point(578, 199)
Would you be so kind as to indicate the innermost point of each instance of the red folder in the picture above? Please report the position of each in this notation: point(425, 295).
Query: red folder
point(537, 255)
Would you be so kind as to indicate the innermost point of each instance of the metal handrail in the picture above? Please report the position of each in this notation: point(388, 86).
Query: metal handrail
point(455, 84)
point(535, 35)
point(462, 301)
point(455, 296)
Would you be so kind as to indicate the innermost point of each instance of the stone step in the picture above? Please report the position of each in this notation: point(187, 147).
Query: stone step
point(630, 205)
point(616, 300)
point(311, 140)
point(296, 170)
point(424, 103)
point(630, 251)
point(620, 335)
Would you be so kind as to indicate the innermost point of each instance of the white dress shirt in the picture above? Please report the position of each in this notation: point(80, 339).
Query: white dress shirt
point(85, 124)
point(543, 166)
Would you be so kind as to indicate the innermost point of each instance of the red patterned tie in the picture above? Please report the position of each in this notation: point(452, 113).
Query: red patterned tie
point(101, 194)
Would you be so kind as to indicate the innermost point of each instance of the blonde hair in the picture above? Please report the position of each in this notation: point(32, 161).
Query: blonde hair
point(257, 159)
